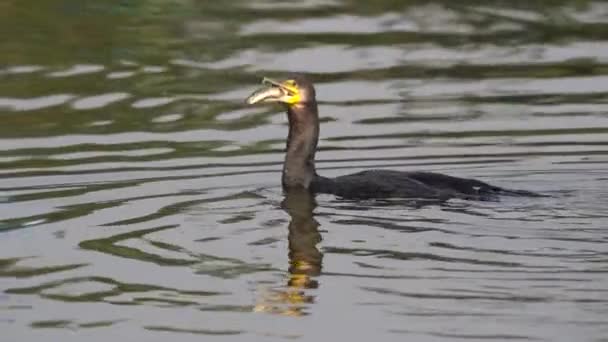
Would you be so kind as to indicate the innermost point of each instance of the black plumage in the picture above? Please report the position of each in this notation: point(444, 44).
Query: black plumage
point(297, 94)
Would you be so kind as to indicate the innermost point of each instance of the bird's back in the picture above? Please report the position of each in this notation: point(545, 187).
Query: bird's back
point(416, 185)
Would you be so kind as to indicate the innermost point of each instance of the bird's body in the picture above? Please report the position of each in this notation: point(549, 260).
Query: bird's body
point(390, 183)
point(371, 184)
point(298, 95)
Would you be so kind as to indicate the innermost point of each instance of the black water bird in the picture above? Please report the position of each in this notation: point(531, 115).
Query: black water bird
point(297, 94)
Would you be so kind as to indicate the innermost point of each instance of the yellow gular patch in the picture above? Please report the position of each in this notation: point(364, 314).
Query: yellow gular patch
point(291, 87)
point(293, 99)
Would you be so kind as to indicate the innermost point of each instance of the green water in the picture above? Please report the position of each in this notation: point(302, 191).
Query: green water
point(140, 198)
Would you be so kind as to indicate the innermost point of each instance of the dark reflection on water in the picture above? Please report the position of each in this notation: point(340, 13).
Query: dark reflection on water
point(305, 259)
point(140, 198)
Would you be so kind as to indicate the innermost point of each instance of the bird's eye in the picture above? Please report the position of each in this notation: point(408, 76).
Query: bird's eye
point(291, 83)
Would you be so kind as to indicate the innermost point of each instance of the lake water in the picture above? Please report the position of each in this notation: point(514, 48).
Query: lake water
point(140, 198)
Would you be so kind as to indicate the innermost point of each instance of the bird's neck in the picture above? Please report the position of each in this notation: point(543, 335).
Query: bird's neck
point(299, 167)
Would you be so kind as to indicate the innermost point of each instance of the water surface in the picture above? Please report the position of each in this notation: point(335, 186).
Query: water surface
point(141, 199)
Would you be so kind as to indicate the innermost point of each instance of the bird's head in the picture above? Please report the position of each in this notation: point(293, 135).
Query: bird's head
point(295, 91)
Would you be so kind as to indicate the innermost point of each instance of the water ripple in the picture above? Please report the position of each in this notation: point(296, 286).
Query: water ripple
point(137, 189)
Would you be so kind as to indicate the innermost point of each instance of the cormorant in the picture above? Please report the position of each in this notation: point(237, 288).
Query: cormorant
point(297, 94)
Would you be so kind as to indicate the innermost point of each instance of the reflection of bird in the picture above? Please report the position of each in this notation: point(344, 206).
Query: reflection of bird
point(305, 259)
point(298, 95)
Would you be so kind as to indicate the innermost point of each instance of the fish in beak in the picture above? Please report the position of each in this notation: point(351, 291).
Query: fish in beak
point(274, 91)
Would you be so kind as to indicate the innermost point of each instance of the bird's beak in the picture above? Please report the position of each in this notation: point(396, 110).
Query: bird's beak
point(273, 91)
